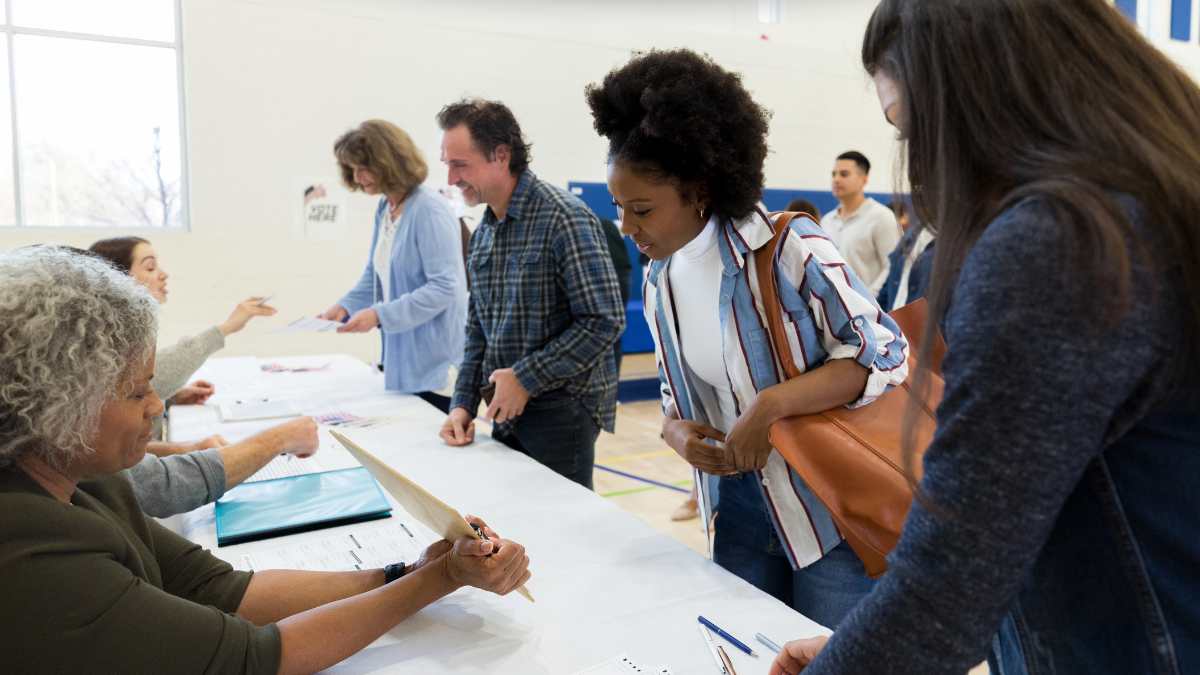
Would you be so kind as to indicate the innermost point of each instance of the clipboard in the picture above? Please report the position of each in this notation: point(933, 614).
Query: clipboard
point(435, 514)
point(273, 508)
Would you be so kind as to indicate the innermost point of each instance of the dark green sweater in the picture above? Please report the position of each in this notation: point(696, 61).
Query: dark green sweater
point(96, 586)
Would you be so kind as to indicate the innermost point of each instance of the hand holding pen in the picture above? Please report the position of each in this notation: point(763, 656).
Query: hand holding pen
point(797, 655)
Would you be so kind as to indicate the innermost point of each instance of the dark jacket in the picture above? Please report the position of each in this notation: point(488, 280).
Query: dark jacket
point(918, 276)
point(1060, 501)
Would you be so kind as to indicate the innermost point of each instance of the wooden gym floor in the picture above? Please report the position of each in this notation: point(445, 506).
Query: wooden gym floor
point(652, 479)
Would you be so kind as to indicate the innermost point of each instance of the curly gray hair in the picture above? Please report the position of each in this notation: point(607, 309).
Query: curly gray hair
point(73, 330)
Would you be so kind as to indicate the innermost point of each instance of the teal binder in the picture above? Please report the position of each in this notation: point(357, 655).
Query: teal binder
point(273, 508)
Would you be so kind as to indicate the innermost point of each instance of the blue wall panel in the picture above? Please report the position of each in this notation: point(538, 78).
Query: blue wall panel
point(1129, 7)
point(596, 196)
point(1181, 20)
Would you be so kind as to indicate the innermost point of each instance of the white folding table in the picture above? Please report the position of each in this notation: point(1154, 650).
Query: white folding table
point(605, 582)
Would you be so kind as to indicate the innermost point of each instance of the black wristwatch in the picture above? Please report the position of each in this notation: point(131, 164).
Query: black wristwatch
point(393, 572)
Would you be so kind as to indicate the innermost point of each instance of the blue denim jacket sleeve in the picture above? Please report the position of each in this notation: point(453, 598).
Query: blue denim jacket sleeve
point(887, 293)
point(1035, 390)
point(439, 255)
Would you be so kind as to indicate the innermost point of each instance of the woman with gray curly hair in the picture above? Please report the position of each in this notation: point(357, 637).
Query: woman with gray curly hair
point(90, 583)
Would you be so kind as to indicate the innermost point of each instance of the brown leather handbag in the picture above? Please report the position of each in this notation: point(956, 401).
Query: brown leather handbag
point(852, 460)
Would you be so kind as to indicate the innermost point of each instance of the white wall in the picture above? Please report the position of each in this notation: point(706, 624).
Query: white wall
point(271, 83)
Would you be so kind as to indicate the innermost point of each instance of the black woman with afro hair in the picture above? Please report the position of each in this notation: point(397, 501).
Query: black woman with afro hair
point(685, 167)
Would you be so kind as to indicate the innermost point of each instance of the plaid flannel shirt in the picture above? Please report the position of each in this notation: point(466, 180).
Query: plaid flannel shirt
point(544, 301)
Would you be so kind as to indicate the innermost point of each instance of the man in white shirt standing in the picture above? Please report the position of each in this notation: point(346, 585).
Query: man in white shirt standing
point(863, 230)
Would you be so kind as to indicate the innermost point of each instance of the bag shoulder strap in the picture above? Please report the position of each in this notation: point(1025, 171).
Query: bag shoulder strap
point(910, 318)
point(764, 269)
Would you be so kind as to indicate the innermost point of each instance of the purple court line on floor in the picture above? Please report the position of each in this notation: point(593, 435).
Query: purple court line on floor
point(644, 480)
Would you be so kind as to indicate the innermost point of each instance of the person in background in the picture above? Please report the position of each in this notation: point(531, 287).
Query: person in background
point(799, 205)
point(178, 362)
point(458, 207)
point(413, 287)
point(864, 230)
point(1058, 524)
point(545, 308)
point(623, 267)
point(910, 264)
point(685, 167)
point(91, 584)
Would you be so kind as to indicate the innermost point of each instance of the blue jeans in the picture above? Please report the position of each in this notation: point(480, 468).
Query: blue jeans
point(747, 545)
point(557, 431)
point(436, 400)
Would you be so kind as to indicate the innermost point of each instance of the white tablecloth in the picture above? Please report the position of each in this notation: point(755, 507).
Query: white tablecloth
point(605, 582)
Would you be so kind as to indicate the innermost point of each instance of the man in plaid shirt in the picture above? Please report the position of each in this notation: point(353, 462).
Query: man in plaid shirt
point(545, 307)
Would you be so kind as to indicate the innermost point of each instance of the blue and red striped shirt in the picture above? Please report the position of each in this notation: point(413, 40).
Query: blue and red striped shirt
point(829, 313)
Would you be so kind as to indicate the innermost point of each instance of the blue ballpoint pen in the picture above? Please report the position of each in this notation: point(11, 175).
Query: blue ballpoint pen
point(732, 640)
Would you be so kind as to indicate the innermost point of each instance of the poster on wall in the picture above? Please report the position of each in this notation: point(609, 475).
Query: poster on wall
point(322, 209)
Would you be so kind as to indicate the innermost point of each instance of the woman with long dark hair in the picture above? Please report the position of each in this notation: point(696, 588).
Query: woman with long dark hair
point(1058, 522)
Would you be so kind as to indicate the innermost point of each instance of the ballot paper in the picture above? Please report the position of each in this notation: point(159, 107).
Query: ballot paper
point(339, 418)
point(359, 549)
point(308, 324)
point(435, 514)
point(623, 665)
point(276, 367)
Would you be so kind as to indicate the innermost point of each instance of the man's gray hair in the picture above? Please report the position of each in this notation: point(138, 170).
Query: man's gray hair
point(72, 331)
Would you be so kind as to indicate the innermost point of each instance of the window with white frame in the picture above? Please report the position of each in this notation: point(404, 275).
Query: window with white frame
point(91, 114)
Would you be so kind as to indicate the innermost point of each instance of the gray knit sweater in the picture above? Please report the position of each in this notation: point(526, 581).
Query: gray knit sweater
point(165, 486)
point(174, 365)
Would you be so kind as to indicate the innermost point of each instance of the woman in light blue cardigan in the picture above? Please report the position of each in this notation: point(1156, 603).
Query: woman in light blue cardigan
point(414, 287)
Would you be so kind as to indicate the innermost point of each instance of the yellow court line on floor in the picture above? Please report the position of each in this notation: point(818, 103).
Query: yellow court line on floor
point(630, 491)
point(609, 459)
